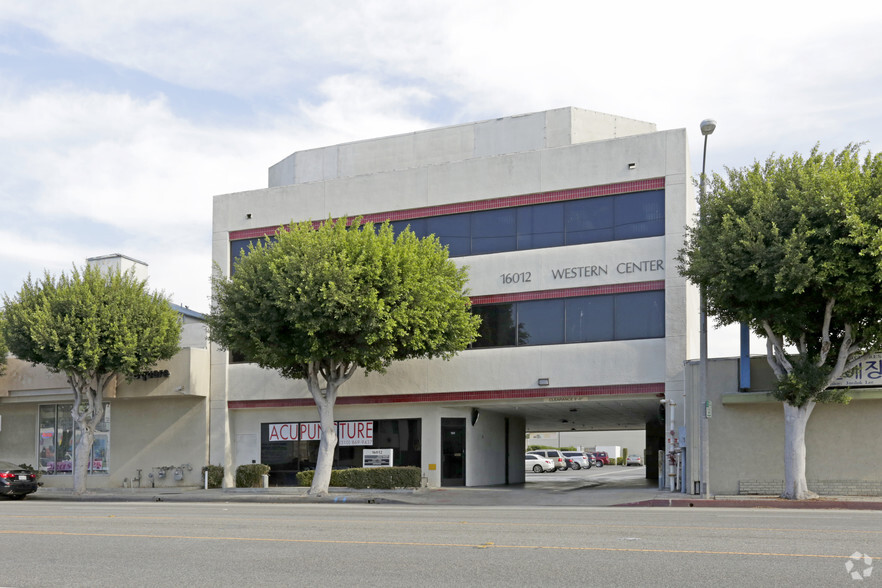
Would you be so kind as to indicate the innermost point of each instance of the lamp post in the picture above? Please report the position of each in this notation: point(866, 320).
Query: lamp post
point(707, 127)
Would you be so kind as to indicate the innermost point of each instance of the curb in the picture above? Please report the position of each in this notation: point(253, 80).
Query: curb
point(760, 503)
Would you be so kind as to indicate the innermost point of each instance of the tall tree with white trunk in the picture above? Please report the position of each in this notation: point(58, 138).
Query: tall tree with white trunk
point(318, 302)
point(793, 247)
point(96, 327)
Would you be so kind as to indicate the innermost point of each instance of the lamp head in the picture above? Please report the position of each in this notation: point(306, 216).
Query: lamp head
point(707, 126)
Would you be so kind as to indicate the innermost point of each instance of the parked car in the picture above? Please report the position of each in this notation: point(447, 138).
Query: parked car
point(597, 461)
point(602, 456)
point(580, 460)
point(15, 481)
point(537, 463)
point(554, 455)
point(634, 459)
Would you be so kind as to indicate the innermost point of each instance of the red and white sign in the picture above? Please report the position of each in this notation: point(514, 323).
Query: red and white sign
point(355, 432)
point(348, 432)
point(284, 431)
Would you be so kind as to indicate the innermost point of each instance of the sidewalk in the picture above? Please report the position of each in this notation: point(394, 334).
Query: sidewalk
point(518, 495)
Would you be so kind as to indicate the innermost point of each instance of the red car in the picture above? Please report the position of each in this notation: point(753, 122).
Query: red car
point(602, 457)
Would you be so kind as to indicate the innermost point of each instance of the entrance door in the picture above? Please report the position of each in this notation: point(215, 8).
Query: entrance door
point(453, 452)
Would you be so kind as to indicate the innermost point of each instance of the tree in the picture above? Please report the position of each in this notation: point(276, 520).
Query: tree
point(793, 247)
point(94, 326)
point(321, 302)
point(3, 349)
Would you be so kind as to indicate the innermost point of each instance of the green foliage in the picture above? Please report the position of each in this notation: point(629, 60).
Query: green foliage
point(249, 475)
point(808, 381)
point(349, 294)
point(777, 242)
point(3, 350)
point(215, 475)
point(90, 322)
point(377, 478)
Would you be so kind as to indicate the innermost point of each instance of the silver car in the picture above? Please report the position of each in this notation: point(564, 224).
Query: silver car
point(580, 460)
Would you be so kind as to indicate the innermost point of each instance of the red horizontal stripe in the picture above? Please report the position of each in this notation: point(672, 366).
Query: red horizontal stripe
point(490, 204)
point(538, 393)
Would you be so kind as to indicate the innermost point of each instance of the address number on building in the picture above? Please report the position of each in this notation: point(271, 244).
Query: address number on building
point(516, 277)
point(376, 458)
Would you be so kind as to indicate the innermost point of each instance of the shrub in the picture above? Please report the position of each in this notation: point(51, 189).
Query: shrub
point(379, 478)
point(249, 475)
point(215, 475)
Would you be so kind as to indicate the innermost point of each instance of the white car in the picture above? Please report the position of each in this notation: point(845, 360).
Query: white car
point(537, 463)
point(634, 459)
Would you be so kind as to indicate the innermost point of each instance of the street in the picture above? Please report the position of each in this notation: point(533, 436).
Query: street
point(227, 544)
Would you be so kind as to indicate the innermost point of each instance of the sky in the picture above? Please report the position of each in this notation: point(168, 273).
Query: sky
point(120, 121)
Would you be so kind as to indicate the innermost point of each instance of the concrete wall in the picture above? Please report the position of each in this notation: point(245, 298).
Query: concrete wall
point(528, 132)
point(747, 437)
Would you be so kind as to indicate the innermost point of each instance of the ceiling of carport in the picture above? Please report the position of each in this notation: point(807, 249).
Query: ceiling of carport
point(596, 413)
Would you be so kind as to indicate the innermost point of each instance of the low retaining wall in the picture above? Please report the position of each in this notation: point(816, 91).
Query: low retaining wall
point(821, 487)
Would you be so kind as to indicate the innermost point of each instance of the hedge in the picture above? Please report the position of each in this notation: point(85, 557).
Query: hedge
point(215, 475)
point(380, 478)
point(249, 475)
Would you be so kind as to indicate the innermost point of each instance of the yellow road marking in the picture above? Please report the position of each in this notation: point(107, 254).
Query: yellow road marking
point(476, 523)
point(423, 544)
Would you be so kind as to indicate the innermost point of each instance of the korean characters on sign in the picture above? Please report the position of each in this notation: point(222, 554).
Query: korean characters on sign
point(348, 432)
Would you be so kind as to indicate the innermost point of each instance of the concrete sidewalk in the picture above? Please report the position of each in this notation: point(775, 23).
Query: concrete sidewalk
point(516, 495)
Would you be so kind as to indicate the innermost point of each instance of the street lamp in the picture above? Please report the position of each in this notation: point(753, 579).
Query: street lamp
point(707, 127)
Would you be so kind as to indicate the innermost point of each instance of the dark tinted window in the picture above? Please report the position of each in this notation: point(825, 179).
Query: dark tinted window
point(640, 315)
point(497, 325)
point(452, 230)
point(590, 220)
point(590, 318)
point(540, 322)
point(541, 225)
point(641, 214)
point(609, 317)
point(494, 230)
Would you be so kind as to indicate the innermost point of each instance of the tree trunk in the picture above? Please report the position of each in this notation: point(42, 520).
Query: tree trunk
point(87, 412)
point(83, 451)
point(325, 461)
point(795, 420)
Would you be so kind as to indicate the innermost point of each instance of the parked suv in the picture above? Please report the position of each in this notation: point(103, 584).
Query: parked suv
point(602, 456)
point(555, 455)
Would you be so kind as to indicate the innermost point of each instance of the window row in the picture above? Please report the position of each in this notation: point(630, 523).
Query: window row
point(57, 441)
point(611, 317)
point(589, 220)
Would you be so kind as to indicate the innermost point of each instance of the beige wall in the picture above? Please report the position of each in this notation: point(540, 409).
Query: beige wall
point(746, 433)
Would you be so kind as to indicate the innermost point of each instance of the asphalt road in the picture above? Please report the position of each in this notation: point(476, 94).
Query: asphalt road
point(236, 544)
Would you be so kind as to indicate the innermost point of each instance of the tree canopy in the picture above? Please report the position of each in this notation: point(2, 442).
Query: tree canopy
point(345, 293)
point(316, 303)
point(793, 247)
point(94, 326)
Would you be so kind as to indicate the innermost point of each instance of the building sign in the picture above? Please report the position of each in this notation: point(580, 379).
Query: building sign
point(151, 374)
point(622, 267)
point(867, 373)
point(284, 431)
point(377, 458)
point(348, 432)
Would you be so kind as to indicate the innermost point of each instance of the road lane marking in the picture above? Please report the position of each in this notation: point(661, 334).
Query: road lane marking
point(424, 544)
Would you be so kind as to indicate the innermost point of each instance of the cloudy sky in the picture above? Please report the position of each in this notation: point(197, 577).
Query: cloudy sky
point(119, 121)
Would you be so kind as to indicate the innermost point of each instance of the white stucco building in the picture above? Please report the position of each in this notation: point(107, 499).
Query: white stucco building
point(569, 222)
